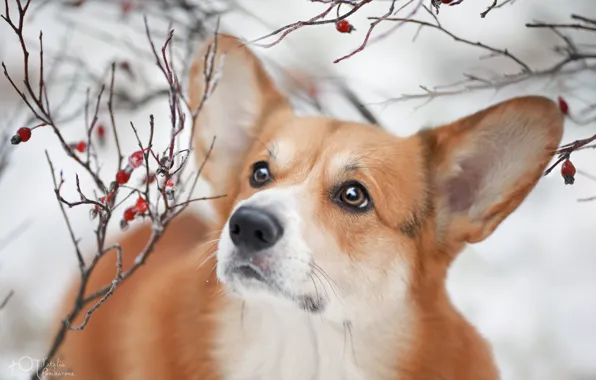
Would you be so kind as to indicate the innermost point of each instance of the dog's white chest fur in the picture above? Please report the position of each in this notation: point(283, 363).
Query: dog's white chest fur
point(273, 343)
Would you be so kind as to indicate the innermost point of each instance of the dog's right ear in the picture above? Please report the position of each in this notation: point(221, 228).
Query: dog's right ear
point(484, 165)
point(239, 105)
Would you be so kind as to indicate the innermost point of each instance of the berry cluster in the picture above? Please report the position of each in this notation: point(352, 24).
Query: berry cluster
point(135, 160)
point(140, 208)
point(24, 134)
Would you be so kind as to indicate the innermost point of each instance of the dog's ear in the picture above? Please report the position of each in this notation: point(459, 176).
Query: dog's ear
point(242, 101)
point(482, 167)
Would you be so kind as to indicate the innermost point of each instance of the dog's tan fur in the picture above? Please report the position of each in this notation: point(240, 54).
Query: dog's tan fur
point(432, 193)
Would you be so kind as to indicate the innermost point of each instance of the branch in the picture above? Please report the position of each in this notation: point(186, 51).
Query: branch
point(561, 26)
point(6, 299)
point(565, 151)
point(171, 165)
point(475, 83)
point(439, 27)
point(315, 20)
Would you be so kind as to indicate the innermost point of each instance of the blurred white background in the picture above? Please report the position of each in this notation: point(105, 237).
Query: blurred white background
point(529, 288)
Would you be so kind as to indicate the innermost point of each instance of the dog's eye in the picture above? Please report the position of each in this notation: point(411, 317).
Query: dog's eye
point(260, 174)
point(354, 196)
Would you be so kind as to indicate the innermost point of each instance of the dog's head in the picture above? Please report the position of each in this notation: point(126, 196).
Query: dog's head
point(342, 218)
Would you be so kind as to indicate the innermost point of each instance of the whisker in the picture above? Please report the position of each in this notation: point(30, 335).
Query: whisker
point(310, 276)
point(221, 288)
point(207, 242)
point(313, 273)
point(242, 309)
point(213, 232)
point(332, 284)
point(316, 268)
point(208, 254)
point(347, 327)
point(207, 259)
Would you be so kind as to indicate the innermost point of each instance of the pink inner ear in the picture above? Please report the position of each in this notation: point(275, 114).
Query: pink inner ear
point(495, 157)
point(463, 188)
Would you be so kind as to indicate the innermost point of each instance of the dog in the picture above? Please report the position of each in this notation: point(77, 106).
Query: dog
point(334, 242)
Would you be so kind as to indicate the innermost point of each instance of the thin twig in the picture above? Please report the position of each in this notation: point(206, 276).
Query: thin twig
point(6, 299)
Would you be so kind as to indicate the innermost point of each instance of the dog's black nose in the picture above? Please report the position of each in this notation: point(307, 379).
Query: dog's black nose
point(254, 228)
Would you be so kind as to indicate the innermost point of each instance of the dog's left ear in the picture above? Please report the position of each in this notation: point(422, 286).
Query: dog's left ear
point(483, 166)
point(242, 100)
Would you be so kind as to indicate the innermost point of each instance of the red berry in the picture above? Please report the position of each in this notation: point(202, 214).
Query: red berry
point(107, 198)
point(104, 200)
point(446, 1)
point(101, 131)
point(130, 213)
point(81, 146)
point(563, 106)
point(126, 6)
point(343, 26)
point(568, 172)
point(170, 183)
point(150, 178)
point(142, 205)
point(136, 159)
point(122, 176)
point(22, 135)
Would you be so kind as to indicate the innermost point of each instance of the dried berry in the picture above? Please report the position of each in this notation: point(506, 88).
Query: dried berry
point(122, 176)
point(150, 178)
point(563, 106)
point(22, 135)
point(101, 131)
point(136, 159)
point(568, 172)
point(141, 206)
point(126, 6)
point(81, 146)
point(130, 213)
point(344, 26)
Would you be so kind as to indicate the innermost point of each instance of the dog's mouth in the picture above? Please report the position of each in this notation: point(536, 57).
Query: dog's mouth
point(248, 276)
point(247, 271)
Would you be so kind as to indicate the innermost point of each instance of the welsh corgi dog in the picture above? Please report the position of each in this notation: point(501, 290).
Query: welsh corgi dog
point(332, 244)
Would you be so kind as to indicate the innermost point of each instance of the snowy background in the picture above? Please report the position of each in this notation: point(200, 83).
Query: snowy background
point(530, 288)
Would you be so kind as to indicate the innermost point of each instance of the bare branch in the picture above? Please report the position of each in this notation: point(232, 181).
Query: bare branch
point(6, 299)
point(36, 99)
point(565, 151)
point(316, 20)
point(561, 26)
point(499, 52)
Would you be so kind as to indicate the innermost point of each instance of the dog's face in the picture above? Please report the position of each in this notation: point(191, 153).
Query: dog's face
point(343, 219)
point(324, 222)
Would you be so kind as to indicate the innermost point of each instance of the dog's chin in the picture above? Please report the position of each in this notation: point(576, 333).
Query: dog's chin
point(249, 283)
